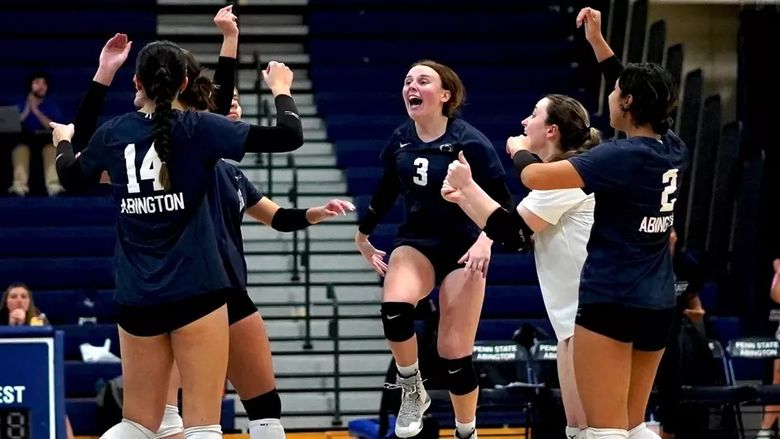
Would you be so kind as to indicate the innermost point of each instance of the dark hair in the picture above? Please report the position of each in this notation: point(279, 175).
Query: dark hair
point(32, 311)
point(199, 92)
point(33, 77)
point(161, 67)
point(573, 123)
point(654, 95)
point(451, 82)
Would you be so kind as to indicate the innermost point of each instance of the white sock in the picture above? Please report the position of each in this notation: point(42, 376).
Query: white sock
point(572, 432)
point(171, 423)
point(604, 433)
point(268, 428)
point(465, 429)
point(203, 432)
point(642, 432)
point(407, 371)
point(128, 429)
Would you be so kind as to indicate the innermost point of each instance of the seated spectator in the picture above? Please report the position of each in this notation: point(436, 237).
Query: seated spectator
point(772, 412)
point(18, 307)
point(36, 113)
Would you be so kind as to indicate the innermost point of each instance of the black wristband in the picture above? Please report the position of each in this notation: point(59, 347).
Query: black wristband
point(290, 220)
point(523, 158)
point(369, 221)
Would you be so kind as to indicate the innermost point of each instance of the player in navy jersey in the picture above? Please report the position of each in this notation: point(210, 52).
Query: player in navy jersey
point(627, 295)
point(559, 220)
point(434, 241)
point(170, 277)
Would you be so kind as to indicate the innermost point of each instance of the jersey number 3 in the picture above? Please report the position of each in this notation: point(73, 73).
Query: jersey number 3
point(669, 180)
point(421, 179)
point(150, 169)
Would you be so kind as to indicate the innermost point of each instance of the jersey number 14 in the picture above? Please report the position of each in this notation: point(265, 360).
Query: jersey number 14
point(150, 169)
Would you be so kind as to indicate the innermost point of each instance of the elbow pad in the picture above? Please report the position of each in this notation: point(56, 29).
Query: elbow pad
point(509, 229)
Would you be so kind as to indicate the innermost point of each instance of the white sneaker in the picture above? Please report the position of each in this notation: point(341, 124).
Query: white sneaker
point(765, 434)
point(414, 402)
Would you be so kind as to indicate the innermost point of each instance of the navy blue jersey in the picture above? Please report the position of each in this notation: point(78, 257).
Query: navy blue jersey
point(166, 241)
point(635, 183)
point(233, 193)
point(421, 168)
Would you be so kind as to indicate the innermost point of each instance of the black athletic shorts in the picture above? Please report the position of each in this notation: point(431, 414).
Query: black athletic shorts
point(148, 321)
point(647, 329)
point(443, 255)
point(239, 305)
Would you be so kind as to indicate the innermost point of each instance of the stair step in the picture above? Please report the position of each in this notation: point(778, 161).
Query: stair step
point(363, 276)
point(286, 245)
point(329, 230)
point(281, 189)
point(300, 99)
point(324, 363)
point(321, 262)
point(296, 293)
point(299, 310)
point(328, 382)
point(247, 75)
point(377, 344)
point(299, 85)
point(304, 175)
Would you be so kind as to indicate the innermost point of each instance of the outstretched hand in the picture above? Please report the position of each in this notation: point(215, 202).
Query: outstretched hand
point(115, 52)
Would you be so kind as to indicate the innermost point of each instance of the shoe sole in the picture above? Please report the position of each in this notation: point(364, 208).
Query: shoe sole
point(415, 432)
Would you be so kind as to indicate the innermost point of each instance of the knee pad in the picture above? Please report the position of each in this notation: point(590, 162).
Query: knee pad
point(461, 378)
point(128, 429)
point(604, 433)
point(398, 321)
point(171, 423)
point(203, 432)
point(642, 432)
point(266, 406)
point(266, 429)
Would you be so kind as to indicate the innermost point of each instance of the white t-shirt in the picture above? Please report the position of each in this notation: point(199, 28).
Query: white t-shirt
point(560, 251)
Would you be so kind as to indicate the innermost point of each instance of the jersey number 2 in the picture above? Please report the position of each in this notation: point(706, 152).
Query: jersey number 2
point(150, 169)
point(421, 179)
point(669, 181)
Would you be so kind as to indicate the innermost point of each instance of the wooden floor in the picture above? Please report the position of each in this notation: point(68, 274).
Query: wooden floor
point(499, 433)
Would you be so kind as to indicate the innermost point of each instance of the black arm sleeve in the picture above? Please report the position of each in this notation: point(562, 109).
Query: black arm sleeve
point(508, 228)
point(382, 201)
point(87, 115)
point(289, 220)
point(224, 83)
point(68, 168)
point(498, 191)
point(286, 136)
point(611, 68)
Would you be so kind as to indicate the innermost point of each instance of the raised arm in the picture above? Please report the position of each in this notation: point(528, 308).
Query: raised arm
point(112, 57)
point(225, 75)
point(287, 135)
point(610, 65)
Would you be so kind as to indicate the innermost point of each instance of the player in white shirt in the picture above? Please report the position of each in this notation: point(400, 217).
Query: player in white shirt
point(560, 221)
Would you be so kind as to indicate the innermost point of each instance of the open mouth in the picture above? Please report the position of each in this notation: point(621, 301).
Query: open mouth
point(414, 102)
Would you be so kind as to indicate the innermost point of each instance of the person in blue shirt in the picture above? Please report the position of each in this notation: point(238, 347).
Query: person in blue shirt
point(36, 111)
point(171, 282)
point(434, 242)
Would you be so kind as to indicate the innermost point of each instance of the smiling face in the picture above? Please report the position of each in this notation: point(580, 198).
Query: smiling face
point(536, 127)
point(423, 93)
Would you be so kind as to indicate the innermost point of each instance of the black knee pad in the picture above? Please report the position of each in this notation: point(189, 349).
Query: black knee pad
point(398, 321)
point(461, 378)
point(267, 405)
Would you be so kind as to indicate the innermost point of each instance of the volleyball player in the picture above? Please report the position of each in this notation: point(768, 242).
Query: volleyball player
point(434, 241)
point(560, 221)
point(627, 297)
point(170, 279)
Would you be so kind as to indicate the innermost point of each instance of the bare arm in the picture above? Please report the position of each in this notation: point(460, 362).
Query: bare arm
point(556, 175)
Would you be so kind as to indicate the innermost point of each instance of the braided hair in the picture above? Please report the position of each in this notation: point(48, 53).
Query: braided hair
point(161, 68)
